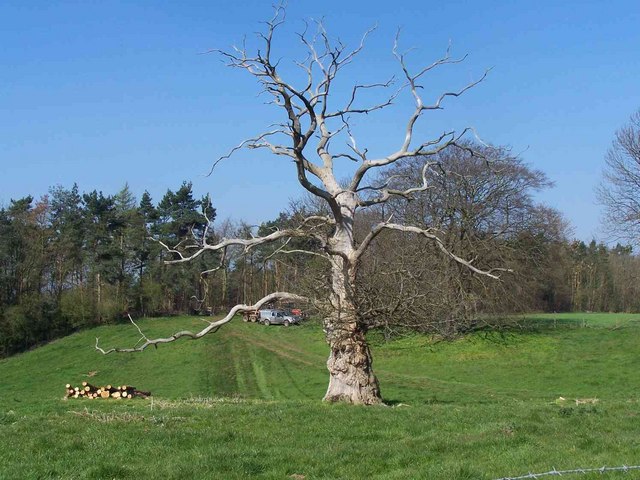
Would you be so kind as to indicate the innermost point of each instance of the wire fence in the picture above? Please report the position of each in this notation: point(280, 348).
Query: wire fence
point(560, 473)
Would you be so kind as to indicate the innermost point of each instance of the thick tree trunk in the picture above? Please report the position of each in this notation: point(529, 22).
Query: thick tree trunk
point(351, 377)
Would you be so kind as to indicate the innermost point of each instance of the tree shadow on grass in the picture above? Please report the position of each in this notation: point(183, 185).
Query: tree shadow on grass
point(396, 402)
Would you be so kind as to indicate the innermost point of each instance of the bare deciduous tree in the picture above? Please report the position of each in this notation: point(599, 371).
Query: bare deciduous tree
point(308, 135)
point(482, 204)
point(619, 190)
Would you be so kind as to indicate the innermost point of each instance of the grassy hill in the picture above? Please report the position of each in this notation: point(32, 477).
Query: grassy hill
point(245, 403)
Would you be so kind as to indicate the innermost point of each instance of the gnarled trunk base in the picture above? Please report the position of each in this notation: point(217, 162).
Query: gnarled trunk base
point(350, 368)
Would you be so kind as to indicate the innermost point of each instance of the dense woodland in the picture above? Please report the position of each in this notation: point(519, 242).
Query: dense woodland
point(71, 259)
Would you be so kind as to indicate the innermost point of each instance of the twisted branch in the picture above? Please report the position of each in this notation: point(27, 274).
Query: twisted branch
point(212, 327)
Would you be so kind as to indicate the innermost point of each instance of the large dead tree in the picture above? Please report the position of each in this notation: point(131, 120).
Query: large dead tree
point(312, 125)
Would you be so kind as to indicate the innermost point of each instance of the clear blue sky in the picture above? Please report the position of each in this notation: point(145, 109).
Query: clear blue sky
point(103, 93)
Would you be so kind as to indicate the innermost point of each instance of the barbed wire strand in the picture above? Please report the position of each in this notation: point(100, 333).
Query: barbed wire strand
point(554, 472)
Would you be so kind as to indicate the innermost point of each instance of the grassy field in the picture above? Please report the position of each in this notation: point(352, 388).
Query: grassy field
point(245, 403)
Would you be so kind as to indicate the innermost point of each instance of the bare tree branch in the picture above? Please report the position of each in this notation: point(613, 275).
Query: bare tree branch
point(430, 234)
point(250, 243)
point(212, 327)
point(405, 151)
point(281, 250)
point(387, 193)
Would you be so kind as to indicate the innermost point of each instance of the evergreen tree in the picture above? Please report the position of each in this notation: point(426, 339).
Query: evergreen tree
point(69, 231)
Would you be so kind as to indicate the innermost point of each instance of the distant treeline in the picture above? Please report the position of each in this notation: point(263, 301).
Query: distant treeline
point(71, 259)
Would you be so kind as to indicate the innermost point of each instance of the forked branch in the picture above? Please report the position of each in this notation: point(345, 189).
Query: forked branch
point(310, 228)
point(386, 193)
point(431, 147)
point(429, 233)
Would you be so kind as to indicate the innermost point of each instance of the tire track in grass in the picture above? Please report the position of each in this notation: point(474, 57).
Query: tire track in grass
point(218, 372)
point(294, 352)
point(286, 350)
point(279, 348)
point(288, 358)
point(260, 377)
point(258, 368)
point(239, 370)
point(247, 381)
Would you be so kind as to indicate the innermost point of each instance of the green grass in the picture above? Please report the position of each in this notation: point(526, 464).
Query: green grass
point(245, 403)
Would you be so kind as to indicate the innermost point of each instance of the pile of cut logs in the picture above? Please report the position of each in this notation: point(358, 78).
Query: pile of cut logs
point(109, 391)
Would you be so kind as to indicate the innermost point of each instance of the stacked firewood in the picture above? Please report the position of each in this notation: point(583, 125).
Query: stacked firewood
point(109, 391)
